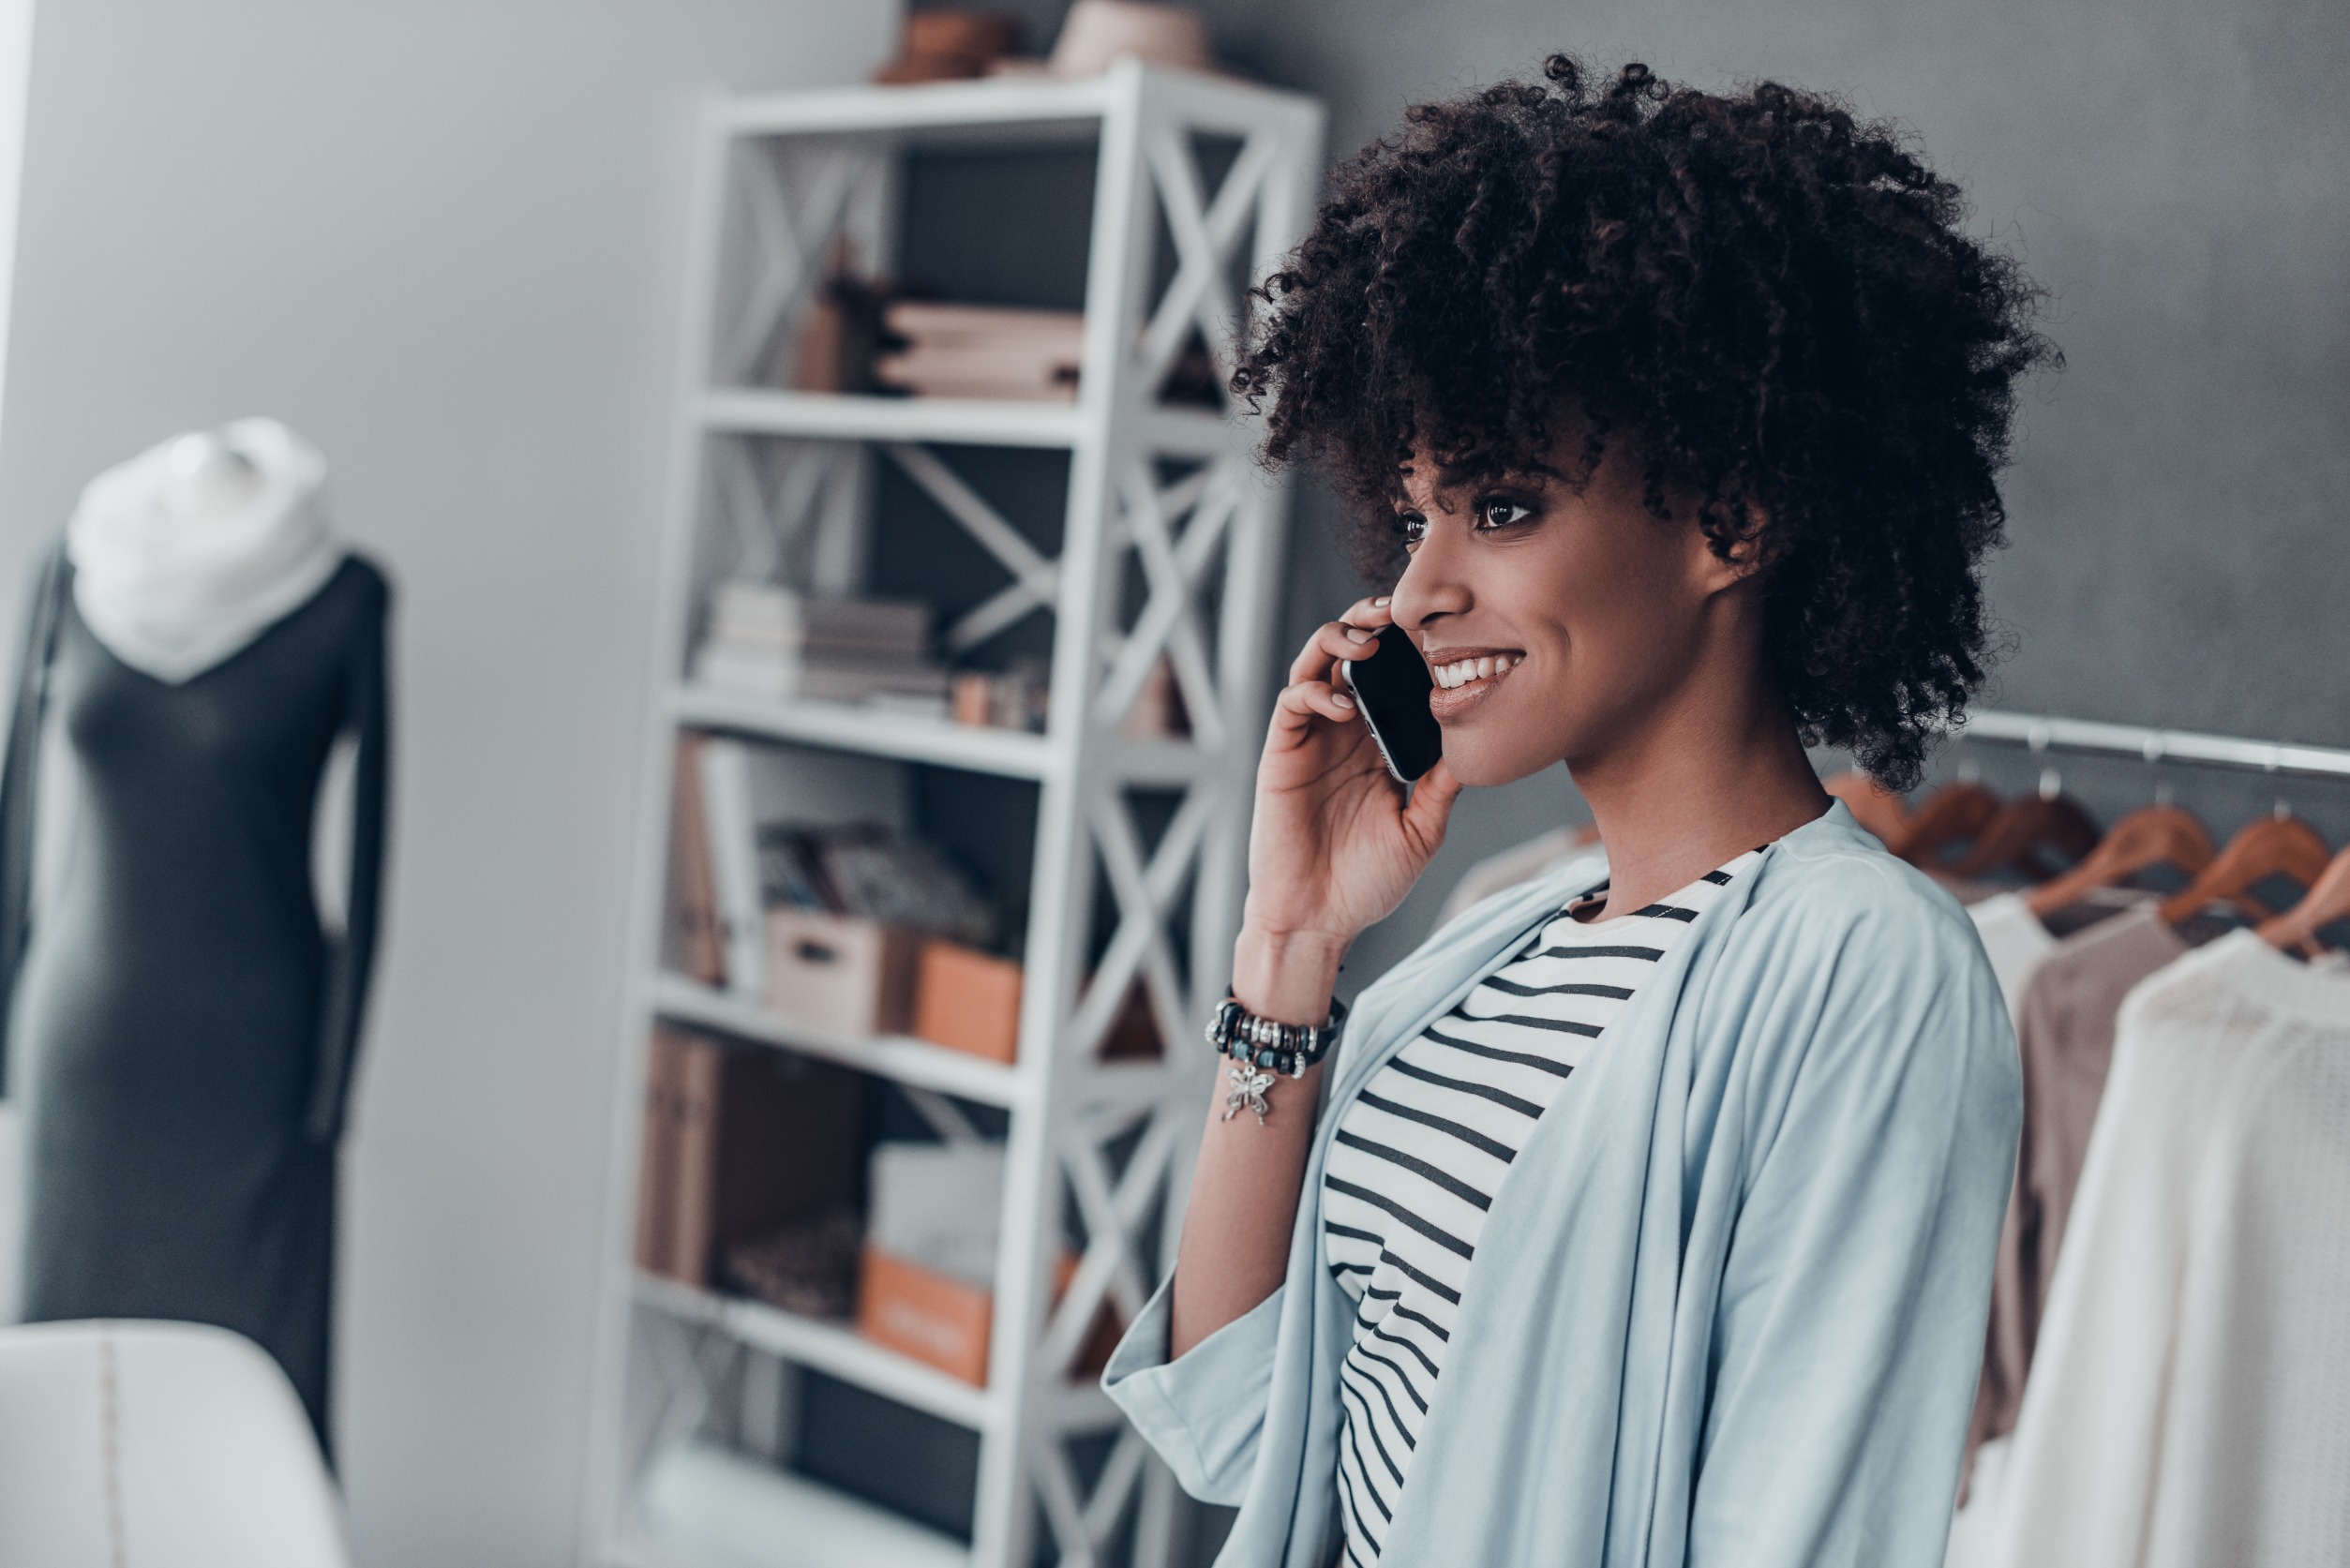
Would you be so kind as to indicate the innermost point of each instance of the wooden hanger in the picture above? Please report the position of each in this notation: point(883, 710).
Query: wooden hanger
point(2157, 835)
point(2016, 834)
point(1880, 811)
point(2327, 901)
point(1951, 814)
point(2272, 846)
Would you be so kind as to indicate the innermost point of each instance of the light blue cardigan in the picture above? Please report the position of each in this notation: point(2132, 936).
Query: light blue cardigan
point(1729, 1307)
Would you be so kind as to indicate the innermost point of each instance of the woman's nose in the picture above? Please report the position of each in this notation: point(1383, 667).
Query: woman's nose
point(1433, 585)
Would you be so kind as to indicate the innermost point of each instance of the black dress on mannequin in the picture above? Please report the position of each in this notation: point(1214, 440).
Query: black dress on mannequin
point(187, 1026)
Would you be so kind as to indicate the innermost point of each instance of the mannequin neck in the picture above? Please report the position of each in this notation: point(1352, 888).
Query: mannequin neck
point(210, 479)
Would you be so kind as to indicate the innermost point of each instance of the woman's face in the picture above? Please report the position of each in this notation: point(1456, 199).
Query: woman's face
point(1558, 622)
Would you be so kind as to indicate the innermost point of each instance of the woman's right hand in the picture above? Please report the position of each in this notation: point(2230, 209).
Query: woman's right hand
point(1335, 843)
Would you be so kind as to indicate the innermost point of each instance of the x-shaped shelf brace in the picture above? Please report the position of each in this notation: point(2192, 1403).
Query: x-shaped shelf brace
point(1113, 1212)
point(1145, 893)
point(1173, 567)
point(1034, 581)
point(792, 249)
point(1205, 235)
point(1082, 1526)
point(772, 531)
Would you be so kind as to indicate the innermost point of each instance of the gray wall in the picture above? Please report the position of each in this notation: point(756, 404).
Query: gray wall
point(443, 240)
point(2179, 174)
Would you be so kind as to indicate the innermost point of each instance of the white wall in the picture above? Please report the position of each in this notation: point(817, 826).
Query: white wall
point(443, 241)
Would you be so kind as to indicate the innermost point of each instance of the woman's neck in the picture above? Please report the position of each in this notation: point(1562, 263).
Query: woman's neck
point(1697, 785)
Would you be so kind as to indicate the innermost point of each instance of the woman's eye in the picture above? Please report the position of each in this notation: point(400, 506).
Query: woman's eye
point(1414, 528)
point(1502, 514)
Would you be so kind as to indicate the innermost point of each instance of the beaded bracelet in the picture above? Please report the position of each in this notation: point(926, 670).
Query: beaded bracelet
point(1263, 1051)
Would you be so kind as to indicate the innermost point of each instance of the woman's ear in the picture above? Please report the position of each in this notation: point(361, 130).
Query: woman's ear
point(1734, 537)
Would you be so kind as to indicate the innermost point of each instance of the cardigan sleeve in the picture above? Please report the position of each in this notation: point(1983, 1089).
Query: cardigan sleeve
point(1204, 1410)
point(1880, 1136)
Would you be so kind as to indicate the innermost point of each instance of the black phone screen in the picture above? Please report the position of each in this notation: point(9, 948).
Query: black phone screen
point(1391, 687)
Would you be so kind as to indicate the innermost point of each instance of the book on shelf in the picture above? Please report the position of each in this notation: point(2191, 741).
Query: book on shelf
point(938, 321)
point(743, 610)
point(657, 1166)
point(741, 1143)
point(981, 372)
point(986, 351)
point(778, 642)
point(694, 940)
point(788, 676)
point(732, 832)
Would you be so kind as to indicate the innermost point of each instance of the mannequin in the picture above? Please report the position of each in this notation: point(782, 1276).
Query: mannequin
point(179, 1020)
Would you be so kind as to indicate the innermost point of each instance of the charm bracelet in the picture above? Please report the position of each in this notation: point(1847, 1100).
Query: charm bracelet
point(1263, 1052)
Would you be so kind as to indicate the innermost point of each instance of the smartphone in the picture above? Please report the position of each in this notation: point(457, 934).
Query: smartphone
point(1391, 689)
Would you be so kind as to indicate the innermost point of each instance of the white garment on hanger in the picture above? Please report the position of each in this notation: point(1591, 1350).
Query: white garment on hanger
point(2016, 940)
point(2190, 1399)
point(172, 588)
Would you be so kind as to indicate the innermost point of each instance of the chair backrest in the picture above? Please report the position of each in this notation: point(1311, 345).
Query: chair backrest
point(156, 1445)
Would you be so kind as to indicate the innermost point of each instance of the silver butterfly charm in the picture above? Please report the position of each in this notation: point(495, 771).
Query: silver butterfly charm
point(1248, 1084)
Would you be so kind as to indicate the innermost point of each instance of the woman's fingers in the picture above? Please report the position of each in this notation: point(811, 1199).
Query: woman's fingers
point(1333, 642)
point(1350, 636)
point(1302, 702)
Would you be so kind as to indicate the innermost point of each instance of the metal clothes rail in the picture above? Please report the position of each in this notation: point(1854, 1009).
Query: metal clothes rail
point(2043, 733)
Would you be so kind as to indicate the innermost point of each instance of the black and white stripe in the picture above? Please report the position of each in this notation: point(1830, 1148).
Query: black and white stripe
point(1422, 1150)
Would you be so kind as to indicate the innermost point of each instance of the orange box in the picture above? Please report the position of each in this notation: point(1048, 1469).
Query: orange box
point(934, 1318)
point(851, 976)
point(968, 1000)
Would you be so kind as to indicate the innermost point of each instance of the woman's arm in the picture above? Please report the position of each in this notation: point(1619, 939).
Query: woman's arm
point(1334, 845)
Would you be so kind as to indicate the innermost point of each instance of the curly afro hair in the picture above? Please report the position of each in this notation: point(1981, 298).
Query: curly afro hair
point(1770, 301)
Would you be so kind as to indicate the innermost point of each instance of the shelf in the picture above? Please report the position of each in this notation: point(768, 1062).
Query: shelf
point(876, 732)
point(932, 105)
point(849, 727)
point(964, 421)
point(901, 1057)
point(1027, 109)
point(840, 1352)
point(704, 1507)
point(833, 1349)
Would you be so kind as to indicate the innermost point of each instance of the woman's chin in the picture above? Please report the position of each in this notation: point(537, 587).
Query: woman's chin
point(1483, 756)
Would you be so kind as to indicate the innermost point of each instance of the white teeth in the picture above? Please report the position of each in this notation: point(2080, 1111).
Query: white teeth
point(1460, 672)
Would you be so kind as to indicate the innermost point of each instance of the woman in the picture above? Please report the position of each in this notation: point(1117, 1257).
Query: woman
point(1648, 1214)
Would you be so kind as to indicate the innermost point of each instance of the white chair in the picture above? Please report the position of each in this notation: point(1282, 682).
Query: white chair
point(156, 1445)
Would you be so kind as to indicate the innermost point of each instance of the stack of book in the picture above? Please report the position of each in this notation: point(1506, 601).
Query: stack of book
point(981, 351)
point(780, 642)
point(749, 1149)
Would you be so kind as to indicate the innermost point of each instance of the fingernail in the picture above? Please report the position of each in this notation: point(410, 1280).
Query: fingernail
point(1383, 601)
point(1355, 633)
point(1341, 699)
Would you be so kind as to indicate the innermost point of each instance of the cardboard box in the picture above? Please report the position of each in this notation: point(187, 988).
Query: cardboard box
point(851, 976)
point(943, 1321)
point(934, 1318)
point(968, 1000)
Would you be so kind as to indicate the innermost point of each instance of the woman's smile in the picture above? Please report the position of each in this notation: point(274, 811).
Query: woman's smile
point(1466, 676)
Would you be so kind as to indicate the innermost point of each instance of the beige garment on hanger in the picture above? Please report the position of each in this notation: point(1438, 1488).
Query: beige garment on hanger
point(2065, 1030)
point(2189, 1398)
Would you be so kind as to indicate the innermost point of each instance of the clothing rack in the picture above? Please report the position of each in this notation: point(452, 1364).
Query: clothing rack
point(2043, 733)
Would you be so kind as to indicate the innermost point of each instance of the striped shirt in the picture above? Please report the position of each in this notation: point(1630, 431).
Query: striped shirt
point(1420, 1154)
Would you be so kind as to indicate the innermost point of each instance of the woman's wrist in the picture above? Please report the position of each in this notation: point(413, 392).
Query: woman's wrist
point(1286, 976)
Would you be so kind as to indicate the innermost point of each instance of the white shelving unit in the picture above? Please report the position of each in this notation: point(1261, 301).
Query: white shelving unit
point(777, 483)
